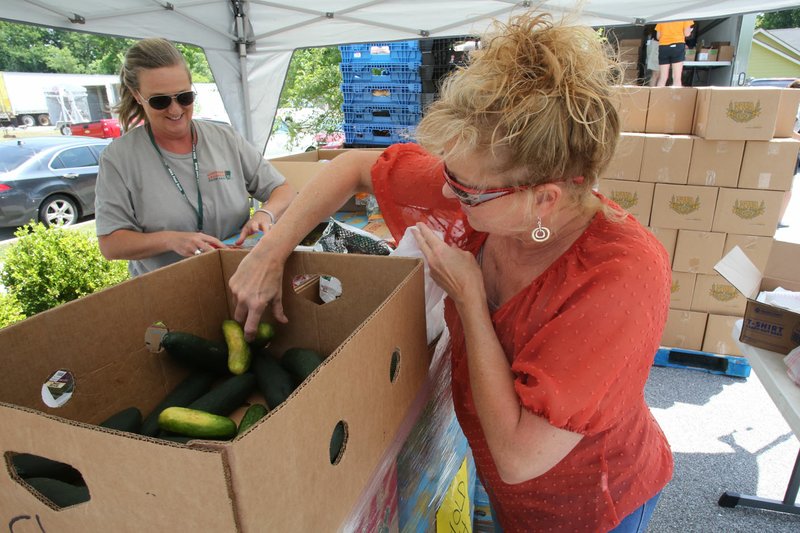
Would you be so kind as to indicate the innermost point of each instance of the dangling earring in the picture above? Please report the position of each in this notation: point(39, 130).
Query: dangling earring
point(540, 233)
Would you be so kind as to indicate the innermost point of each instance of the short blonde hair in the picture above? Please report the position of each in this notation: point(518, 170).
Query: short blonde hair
point(537, 96)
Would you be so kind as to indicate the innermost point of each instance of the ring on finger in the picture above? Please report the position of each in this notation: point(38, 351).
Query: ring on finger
point(198, 251)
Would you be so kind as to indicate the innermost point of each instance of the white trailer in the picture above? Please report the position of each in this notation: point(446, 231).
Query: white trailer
point(28, 99)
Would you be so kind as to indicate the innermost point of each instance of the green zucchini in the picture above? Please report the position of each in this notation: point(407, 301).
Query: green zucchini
point(274, 381)
point(60, 493)
point(300, 362)
point(253, 414)
point(196, 352)
point(226, 397)
point(191, 388)
point(129, 420)
point(194, 423)
point(238, 350)
point(264, 334)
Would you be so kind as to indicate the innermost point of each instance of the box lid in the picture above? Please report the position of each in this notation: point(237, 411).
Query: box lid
point(740, 272)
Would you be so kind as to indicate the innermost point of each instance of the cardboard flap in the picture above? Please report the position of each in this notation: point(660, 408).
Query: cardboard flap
point(740, 272)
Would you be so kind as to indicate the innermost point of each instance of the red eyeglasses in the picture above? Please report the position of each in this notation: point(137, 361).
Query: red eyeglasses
point(471, 196)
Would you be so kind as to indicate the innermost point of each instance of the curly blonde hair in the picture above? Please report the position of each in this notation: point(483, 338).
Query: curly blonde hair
point(150, 53)
point(537, 96)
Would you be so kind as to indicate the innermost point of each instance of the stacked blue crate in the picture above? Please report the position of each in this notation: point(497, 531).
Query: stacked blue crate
point(382, 90)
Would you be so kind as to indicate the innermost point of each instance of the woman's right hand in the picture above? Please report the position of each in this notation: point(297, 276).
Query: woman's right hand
point(256, 286)
point(187, 244)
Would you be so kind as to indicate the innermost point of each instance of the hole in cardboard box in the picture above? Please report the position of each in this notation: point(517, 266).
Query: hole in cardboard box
point(317, 288)
point(394, 366)
point(153, 336)
point(59, 484)
point(57, 389)
point(338, 442)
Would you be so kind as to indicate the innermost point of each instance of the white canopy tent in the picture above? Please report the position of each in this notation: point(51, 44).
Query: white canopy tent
point(249, 43)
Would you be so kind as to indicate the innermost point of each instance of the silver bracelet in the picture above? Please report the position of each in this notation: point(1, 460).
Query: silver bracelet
point(268, 213)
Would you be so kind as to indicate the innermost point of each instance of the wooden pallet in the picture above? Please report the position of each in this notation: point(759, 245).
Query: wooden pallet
point(728, 365)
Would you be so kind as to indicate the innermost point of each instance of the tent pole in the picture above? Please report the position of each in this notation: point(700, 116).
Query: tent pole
point(241, 34)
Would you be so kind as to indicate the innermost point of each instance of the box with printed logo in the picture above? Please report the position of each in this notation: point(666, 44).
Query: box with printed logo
point(747, 211)
point(683, 206)
point(736, 113)
point(633, 196)
point(715, 294)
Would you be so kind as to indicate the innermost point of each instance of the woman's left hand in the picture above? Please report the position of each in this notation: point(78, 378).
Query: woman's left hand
point(260, 222)
point(455, 270)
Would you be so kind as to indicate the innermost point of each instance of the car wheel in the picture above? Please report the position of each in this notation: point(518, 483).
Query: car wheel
point(66, 130)
point(44, 120)
point(58, 210)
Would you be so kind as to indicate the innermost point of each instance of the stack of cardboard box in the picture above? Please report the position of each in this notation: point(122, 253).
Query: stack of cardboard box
point(706, 169)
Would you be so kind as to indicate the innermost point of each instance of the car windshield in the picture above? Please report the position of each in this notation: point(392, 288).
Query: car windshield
point(13, 155)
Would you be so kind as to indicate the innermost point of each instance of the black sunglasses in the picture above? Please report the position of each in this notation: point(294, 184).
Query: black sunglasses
point(163, 101)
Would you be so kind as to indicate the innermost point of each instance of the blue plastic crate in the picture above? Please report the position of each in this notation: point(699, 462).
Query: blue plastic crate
point(728, 365)
point(377, 134)
point(401, 51)
point(381, 93)
point(380, 72)
point(399, 114)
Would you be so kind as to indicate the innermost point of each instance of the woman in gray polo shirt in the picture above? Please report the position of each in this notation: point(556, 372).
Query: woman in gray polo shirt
point(174, 187)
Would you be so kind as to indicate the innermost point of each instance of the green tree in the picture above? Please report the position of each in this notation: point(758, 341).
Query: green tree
point(312, 82)
point(788, 18)
point(49, 267)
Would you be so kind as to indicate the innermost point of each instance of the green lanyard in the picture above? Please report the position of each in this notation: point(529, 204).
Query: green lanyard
point(199, 209)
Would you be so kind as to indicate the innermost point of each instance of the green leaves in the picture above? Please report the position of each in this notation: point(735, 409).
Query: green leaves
point(49, 267)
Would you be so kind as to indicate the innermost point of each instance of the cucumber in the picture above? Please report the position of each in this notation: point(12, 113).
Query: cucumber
point(191, 388)
point(264, 334)
point(227, 396)
point(238, 350)
point(31, 466)
point(274, 381)
point(129, 420)
point(253, 414)
point(194, 423)
point(300, 362)
point(60, 493)
point(196, 352)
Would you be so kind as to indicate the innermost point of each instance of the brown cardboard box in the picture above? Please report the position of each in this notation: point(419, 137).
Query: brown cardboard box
point(682, 290)
point(683, 206)
point(714, 294)
point(633, 196)
point(725, 53)
point(747, 211)
point(301, 167)
point(697, 251)
point(671, 110)
point(691, 54)
point(736, 113)
point(278, 476)
point(665, 158)
point(766, 326)
point(631, 102)
point(684, 329)
point(787, 113)
point(715, 163)
point(718, 338)
point(707, 54)
point(668, 237)
point(756, 248)
point(769, 164)
point(627, 160)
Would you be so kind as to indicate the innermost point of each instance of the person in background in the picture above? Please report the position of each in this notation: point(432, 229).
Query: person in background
point(653, 67)
point(671, 38)
point(172, 187)
point(556, 298)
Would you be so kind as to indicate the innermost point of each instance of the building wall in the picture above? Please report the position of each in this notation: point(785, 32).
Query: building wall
point(764, 63)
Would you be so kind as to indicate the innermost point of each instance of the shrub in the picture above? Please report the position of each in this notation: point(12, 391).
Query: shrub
point(49, 267)
point(10, 310)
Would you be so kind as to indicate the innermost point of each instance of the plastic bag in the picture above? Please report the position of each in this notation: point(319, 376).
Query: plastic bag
point(434, 294)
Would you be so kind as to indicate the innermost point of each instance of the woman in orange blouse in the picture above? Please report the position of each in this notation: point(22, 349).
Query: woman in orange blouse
point(671, 38)
point(557, 298)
